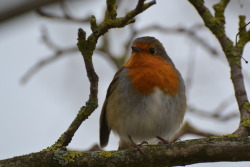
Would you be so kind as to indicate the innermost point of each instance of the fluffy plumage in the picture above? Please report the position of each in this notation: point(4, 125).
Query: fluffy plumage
point(146, 97)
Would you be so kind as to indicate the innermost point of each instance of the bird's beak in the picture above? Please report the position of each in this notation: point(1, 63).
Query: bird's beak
point(135, 48)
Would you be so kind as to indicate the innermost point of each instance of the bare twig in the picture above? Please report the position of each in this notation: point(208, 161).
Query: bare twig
point(103, 28)
point(105, 50)
point(48, 41)
point(118, 60)
point(216, 113)
point(190, 71)
point(191, 32)
point(65, 9)
point(58, 53)
point(236, 38)
point(187, 128)
point(33, 70)
point(16, 9)
point(121, 21)
point(67, 16)
point(241, 29)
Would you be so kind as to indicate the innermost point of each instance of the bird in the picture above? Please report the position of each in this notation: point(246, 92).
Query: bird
point(146, 99)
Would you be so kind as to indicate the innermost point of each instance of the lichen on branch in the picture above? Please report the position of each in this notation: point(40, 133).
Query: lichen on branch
point(226, 148)
point(86, 46)
point(233, 53)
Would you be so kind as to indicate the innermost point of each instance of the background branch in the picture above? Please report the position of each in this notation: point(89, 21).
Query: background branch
point(21, 7)
point(104, 48)
point(217, 113)
point(34, 69)
point(191, 32)
point(58, 53)
point(66, 16)
point(187, 128)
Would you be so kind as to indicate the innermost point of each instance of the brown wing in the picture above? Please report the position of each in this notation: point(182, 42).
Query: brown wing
point(104, 128)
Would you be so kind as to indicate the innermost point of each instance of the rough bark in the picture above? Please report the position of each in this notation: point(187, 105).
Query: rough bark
point(179, 153)
point(233, 54)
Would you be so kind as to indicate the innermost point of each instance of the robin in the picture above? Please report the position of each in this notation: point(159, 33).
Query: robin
point(146, 98)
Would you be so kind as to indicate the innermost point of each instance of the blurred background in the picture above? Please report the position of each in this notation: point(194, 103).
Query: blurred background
point(44, 84)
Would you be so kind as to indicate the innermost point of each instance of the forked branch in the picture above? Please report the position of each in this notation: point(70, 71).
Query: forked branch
point(233, 53)
point(86, 46)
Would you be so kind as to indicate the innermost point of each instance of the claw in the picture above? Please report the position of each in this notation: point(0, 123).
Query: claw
point(143, 143)
point(177, 139)
point(138, 147)
point(163, 141)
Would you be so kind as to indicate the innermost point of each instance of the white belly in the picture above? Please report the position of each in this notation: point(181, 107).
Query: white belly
point(145, 117)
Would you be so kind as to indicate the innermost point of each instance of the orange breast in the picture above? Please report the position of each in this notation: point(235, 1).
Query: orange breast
point(148, 72)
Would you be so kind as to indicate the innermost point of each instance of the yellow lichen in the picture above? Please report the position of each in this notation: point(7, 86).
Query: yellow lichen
point(74, 154)
point(70, 157)
point(65, 157)
point(60, 157)
point(227, 135)
point(50, 149)
point(53, 148)
point(245, 122)
point(230, 135)
point(106, 154)
point(247, 107)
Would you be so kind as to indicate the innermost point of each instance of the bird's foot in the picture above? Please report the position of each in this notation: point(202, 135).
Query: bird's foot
point(162, 141)
point(175, 140)
point(143, 143)
point(137, 146)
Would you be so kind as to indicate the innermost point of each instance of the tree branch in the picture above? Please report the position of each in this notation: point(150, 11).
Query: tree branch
point(118, 60)
point(233, 53)
point(187, 128)
point(191, 32)
point(217, 112)
point(87, 46)
point(10, 11)
point(178, 153)
point(39, 65)
point(109, 21)
point(66, 14)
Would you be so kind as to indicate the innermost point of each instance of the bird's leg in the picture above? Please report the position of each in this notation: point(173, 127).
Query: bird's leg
point(162, 140)
point(138, 147)
point(143, 143)
point(176, 139)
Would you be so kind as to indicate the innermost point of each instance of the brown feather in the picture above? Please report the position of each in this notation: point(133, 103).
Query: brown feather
point(104, 128)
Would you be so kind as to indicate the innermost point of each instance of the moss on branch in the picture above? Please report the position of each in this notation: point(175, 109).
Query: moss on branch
point(233, 53)
point(174, 154)
point(86, 46)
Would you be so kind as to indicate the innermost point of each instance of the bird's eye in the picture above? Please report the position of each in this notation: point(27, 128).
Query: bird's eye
point(152, 51)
